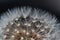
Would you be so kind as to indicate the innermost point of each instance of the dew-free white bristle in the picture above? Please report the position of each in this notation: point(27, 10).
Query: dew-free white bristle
point(23, 11)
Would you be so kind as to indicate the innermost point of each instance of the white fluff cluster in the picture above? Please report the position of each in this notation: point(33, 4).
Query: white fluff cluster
point(35, 13)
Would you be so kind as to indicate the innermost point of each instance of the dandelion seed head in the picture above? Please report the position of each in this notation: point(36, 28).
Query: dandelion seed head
point(32, 25)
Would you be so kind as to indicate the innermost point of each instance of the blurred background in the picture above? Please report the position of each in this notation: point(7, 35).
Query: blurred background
point(52, 6)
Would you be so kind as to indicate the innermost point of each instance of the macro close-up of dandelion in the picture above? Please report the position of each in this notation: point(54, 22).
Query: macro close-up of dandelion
point(26, 23)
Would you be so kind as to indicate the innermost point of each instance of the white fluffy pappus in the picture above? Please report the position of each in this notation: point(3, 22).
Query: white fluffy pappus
point(35, 13)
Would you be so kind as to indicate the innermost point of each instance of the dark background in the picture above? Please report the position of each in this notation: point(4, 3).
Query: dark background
point(52, 6)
